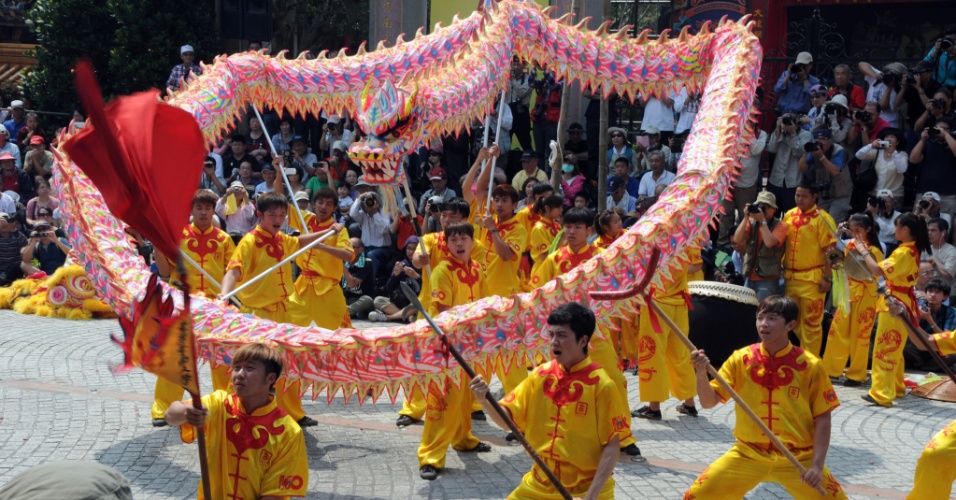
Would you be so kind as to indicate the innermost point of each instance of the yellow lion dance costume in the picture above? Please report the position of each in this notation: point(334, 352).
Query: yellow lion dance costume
point(67, 294)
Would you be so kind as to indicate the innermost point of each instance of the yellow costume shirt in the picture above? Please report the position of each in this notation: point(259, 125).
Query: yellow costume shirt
point(211, 249)
point(696, 260)
point(257, 251)
point(437, 250)
point(251, 456)
point(787, 391)
point(503, 276)
point(945, 343)
point(604, 241)
point(901, 270)
point(527, 218)
point(808, 234)
point(321, 272)
point(560, 262)
point(568, 416)
point(542, 235)
point(455, 283)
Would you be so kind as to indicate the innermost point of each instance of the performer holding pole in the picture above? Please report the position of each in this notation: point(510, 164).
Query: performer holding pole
point(494, 158)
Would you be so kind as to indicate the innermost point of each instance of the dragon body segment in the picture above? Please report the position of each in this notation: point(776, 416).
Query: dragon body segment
point(412, 93)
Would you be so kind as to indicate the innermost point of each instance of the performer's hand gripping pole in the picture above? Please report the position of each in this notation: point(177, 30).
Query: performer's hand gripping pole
point(498, 409)
point(710, 368)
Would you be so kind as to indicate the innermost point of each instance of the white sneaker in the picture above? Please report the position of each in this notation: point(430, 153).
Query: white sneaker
point(377, 316)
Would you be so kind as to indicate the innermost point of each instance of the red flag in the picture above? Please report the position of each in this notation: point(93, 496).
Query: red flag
point(158, 341)
point(144, 156)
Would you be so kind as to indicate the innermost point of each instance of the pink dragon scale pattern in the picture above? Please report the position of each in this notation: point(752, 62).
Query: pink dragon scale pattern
point(416, 91)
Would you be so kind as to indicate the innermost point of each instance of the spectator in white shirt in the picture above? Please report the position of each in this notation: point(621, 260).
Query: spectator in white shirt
point(883, 88)
point(659, 113)
point(618, 197)
point(376, 229)
point(687, 106)
point(654, 181)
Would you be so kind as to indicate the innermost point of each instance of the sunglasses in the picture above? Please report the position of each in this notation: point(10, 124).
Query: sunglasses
point(617, 135)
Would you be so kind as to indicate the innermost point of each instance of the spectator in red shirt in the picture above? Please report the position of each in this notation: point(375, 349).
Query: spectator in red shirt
point(867, 124)
point(854, 94)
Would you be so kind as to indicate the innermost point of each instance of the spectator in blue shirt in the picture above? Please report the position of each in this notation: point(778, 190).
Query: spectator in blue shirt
point(622, 167)
point(17, 121)
point(47, 247)
point(935, 317)
point(793, 86)
point(943, 57)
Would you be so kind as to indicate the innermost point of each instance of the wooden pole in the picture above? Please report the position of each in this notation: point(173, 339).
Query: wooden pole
point(602, 156)
point(209, 277)
point(494, 160)
point(562, 120)
point(418, 229)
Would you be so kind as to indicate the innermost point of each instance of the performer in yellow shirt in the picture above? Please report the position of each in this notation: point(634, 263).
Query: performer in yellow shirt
point(901, 271)
point(789, 390)
point(849, 334)
point(548, 210)
point(576, 429)
point(268, 298)
point(577, 251)
point(809, 238)
point(528, 218)
point(256, 450)
point(935, 473)
point(211, 248)
point(457, 280)
point(663, 361)
point(318, 297)
point(609, 226)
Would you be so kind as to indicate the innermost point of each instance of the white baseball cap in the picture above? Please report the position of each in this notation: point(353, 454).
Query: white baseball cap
point(16, 104)
point(186, 48)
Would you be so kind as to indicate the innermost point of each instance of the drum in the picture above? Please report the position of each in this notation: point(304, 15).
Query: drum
point(723, 318)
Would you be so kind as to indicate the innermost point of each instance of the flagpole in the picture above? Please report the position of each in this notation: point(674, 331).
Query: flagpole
point(285, 177)
point(208, 276)
point(197, 399)
point(277, 266)
point(494, 159)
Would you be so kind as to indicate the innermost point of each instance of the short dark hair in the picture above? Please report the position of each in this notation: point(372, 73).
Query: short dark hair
point(262, 353)
point(940, 285)
point(624, 160)
point(604, 218)
point(457, 205)
point(238, 138)
point(505, 190)
point(541, 188)
point(809, 186)
point(205, 197)
point(325, 193)
point(459, 228)
point(575, 316)
point(547, 202)
point(346, 185)
point(779, 304)
point(270, 200)
point(940, 223)
point(577, 215)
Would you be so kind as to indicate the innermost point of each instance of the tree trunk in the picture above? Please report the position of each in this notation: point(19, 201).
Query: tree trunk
point(602, 157)
point(565, 102)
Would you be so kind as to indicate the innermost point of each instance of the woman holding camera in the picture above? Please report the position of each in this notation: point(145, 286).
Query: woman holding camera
point(377, 229)
point(888, 154)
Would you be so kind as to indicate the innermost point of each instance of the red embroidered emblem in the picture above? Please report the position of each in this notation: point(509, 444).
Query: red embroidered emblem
point(794, 392)
point(619, 423)
point(830, 396)
point(265, 457)
point(646, 348)
point(773, 373)
point(581, 408)
point(564, 388)
point(568, 260)
point(290, 482)
point(203, 244)
point(247, 432)
point(888, 343)
point(467, 274)
point(272, 244)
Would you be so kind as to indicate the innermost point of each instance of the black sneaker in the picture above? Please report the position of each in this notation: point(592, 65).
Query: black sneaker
point(159, 422)
point(511, 438)
point(479, 415)
point(405, 421)
point(307, 421)
point(631, 450)
point(647, 413)
point(687, 410)
point(851, 383)
point(428, 473)
point(479, 448)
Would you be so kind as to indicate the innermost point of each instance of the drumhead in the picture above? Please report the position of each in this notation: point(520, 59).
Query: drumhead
point(726, 291)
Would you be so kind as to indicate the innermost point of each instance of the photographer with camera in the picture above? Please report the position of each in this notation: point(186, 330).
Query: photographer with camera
point(814, 117)
point(12, 243)
point(836, 117)
point(793, 86)
point(882, 208)
point(823, 165)
point(853, 94)
point(763, 236)
point(519, 91)
point(786, 141)
point(48, 245)
point(937, 108)
point(888, 154)
point(943, 255)
point(332, 132)
point(867, 125)
point(377, 230)
point(935, 153)
point(943, 58)
point(927, 207)
point(884, 89)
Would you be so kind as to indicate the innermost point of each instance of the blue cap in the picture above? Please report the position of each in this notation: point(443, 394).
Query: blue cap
point(614, 183)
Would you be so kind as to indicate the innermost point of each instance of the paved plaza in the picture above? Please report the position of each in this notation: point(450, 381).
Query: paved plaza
point(60, 401)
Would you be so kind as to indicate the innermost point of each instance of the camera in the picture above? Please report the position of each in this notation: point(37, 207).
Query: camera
point(795, 70)
point(938, 104)
point(755, 208)
point(436, 202)
point(877, 202)
point(945, 43)
point(810, 147)
point(883, 144)
point(787, 120)
point(370, 201)
point(824, 189)
point(924, 204)
point(863, 116)
point(831, 109)
point(909, 79)
point(932, 131)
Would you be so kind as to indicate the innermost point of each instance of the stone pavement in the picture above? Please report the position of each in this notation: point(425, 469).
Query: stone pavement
point(60, 401)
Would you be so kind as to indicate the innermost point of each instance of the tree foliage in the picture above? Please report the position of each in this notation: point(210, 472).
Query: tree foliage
point(133, 44)
point(319, 24)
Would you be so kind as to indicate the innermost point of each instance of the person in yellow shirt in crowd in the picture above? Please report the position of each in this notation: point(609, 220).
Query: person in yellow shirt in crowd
point(528, 218)
point(609, 226)
point(268, 298)
point(455, 281)
point(549, 210)
point(318, 297)
point(664, 362)
point(274, 464)
point(576, 222)
point(849, 335)
point(211, 248)
point(453, 211)
point(577, 432)
point(808, 277)
point(787, 387)
point(901, 271)
point(935, 473)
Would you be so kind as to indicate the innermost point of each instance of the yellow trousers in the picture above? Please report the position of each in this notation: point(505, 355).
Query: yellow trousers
point(936, 468)
point(447, 422)
point(809, 327)
point(887, 374)
point(531, 487)
point(602, 352)
point(849, 336)
point(287, 395)
point(414, 405)
point(743, 467)
point(327, 310)
point(166, 392)
point(664, 362)
point(513, 376)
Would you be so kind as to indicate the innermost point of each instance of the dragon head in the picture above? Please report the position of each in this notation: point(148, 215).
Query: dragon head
point(393, 125)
